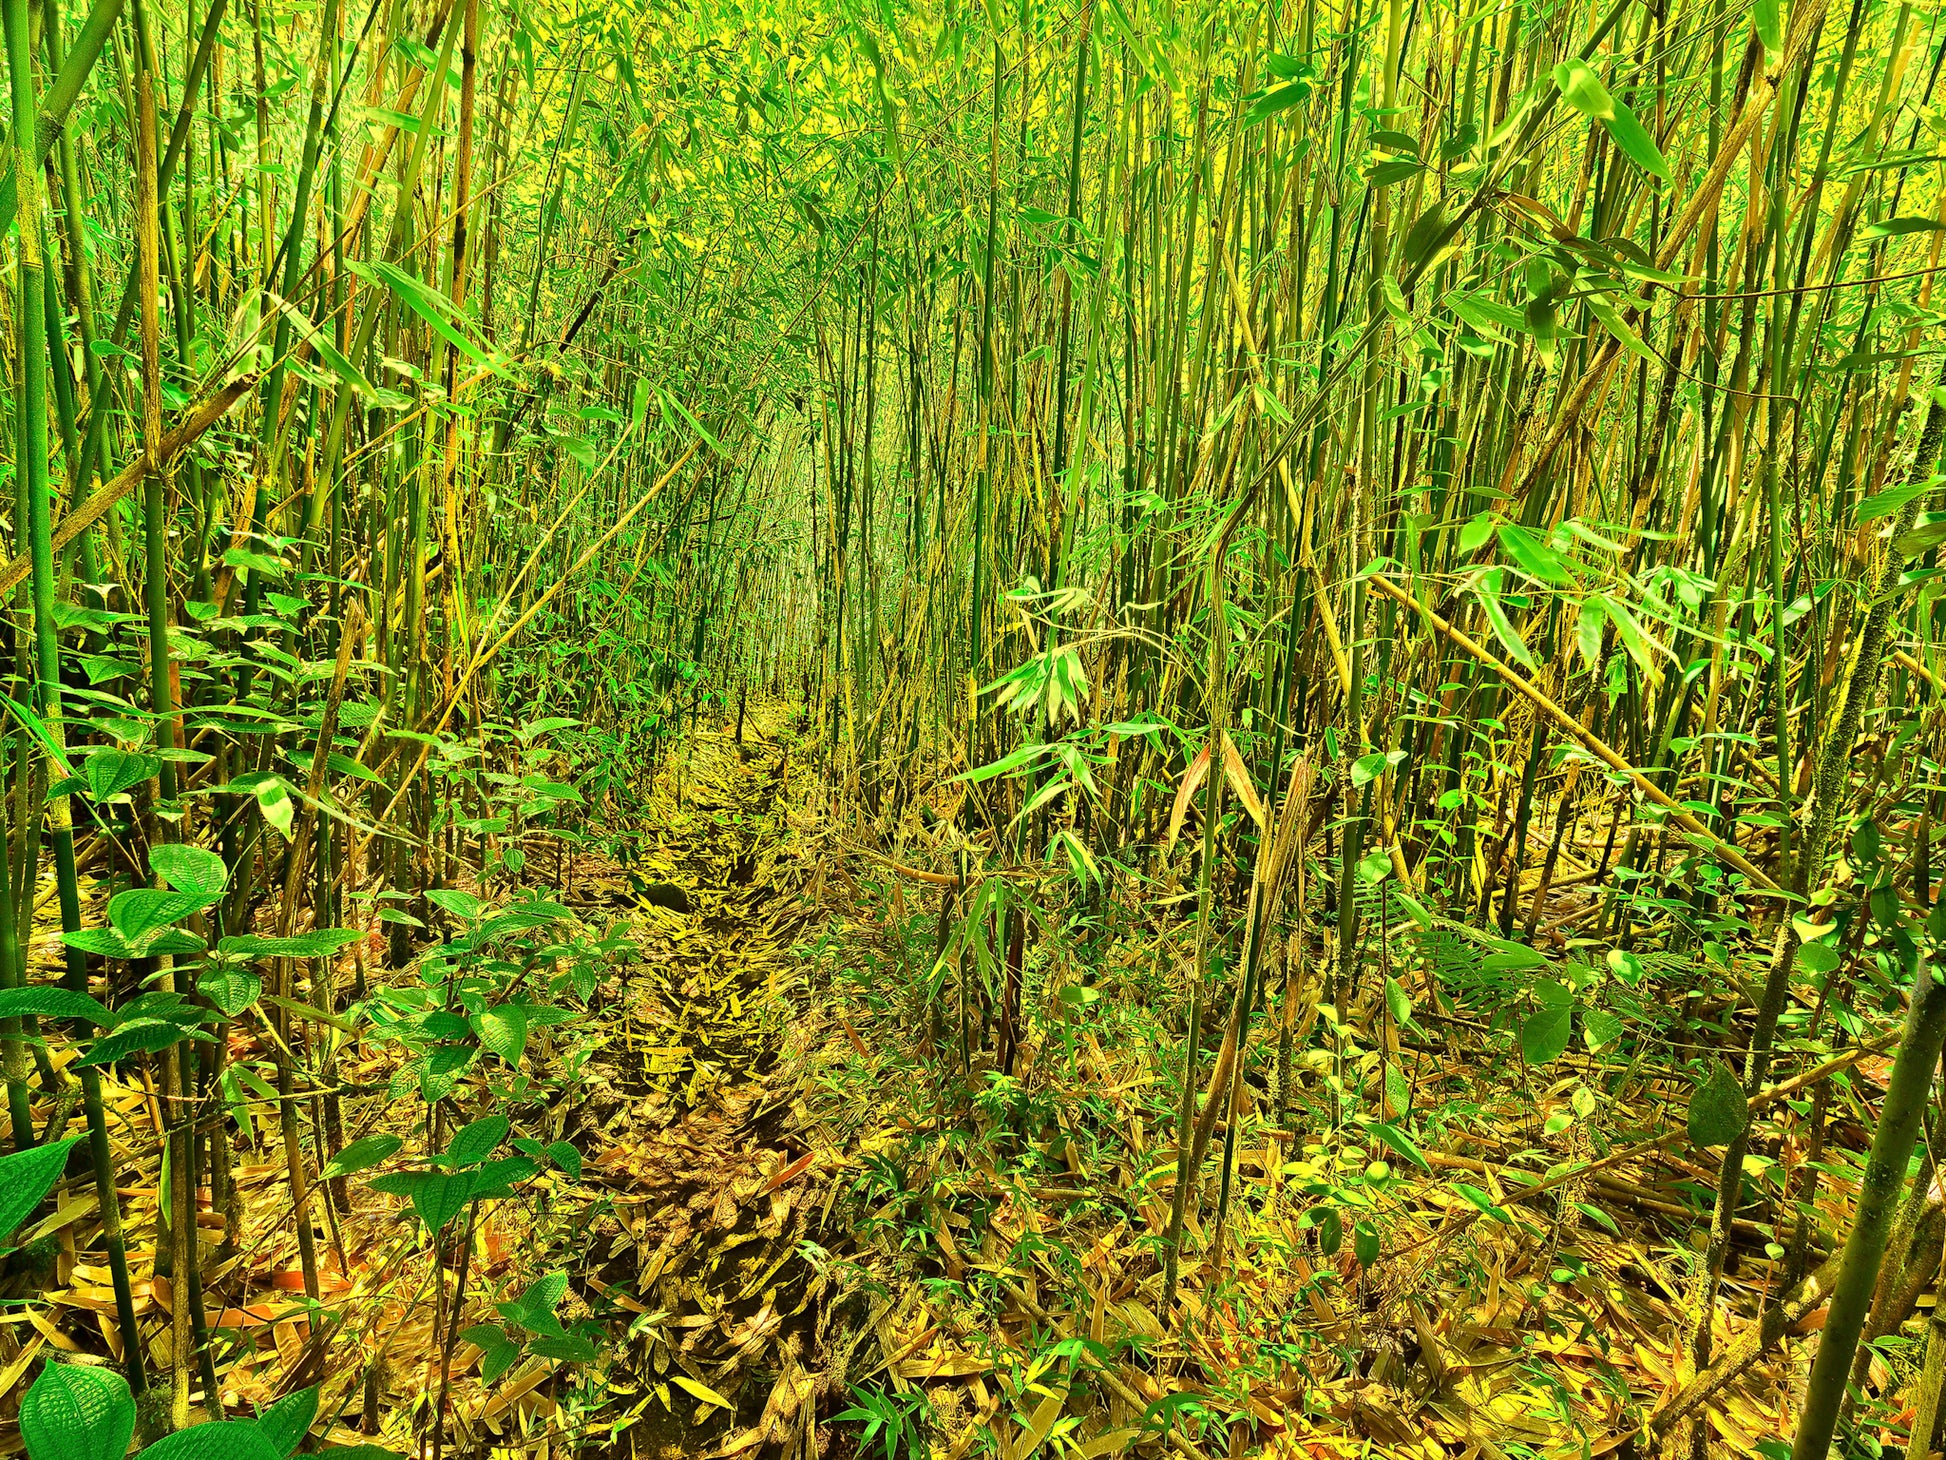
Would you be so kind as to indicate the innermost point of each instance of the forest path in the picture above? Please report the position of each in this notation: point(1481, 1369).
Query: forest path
point(692, 1122)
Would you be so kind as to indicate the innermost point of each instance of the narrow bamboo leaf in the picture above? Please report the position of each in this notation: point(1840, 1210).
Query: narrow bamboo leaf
point(428, 304)
point(1487, 589)
point(1603, 309)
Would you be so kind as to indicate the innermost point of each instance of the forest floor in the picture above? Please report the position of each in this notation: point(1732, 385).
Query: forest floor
point(785, 1212)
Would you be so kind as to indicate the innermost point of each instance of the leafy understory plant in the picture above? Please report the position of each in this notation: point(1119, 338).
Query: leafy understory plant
point(82, 1412)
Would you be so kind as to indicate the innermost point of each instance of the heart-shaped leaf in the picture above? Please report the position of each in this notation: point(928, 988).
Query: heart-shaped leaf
point(231, 987)
point(110, 771)
point(273, 795)
point(77, 1412)
point(190, 870)
point(142, 910)
point(1599, 1028)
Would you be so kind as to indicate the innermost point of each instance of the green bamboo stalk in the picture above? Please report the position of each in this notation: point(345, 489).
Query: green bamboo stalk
point(31, 425)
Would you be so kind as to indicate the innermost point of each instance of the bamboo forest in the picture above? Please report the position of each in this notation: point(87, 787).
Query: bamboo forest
point(915, 729)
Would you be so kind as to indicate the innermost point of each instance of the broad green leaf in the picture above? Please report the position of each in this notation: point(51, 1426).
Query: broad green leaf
point(1365, 1244)
point(498, 1349)
point(461, 905)
point(443, 1070)
point(51, 1001)
point(1544, 1035)
point(576, 1348)
point(230, 987)
point(274, 798)
point(155, 943)
point(142, 910)
point(1718, 1110)
point(1014, 760)
point(138, 1036)
point(1588, 624)
point(362, 1155)
point(1533, 556)
point(1371, 767)
point(1485, 1203)
point(473, 1143)
point(190, 870)
point(110, 771)
point(503, 1030)
point(1582, 89)
point(1767, 21)
point(1510, 959)
point(1900, 227)
point(1921, 539)
point(289, 1419)
point(1424, 247)
point(1628, 133)
point(264, 563)
point(1893, 500)
point(1640, 647)
point(1600, 1028)
point(567, 1157)
point(234, 1439)
point(319, 943)
point(436, 1196)
point(77, 1412)
point(26, 1177)
point(534, 1308)
point(1277, 99)
point(1817, 957)
point(1476, 534)
point(499, 1178)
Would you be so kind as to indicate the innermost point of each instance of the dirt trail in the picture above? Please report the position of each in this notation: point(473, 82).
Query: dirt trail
point(688, 1126)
